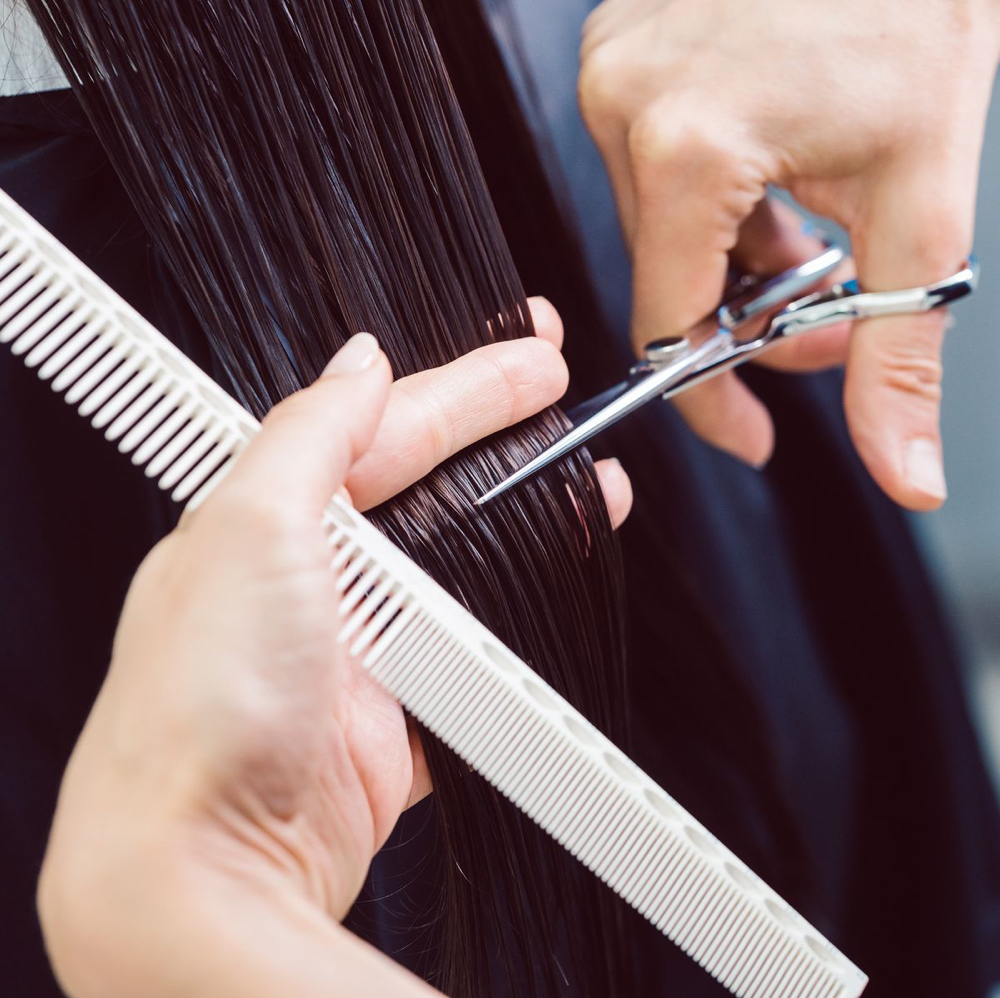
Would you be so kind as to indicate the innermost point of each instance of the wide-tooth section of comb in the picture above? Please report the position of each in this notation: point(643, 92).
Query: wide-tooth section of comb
point(428, 651)
point(106, 360)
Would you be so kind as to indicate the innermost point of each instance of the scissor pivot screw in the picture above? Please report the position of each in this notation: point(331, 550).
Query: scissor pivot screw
point(666, 350)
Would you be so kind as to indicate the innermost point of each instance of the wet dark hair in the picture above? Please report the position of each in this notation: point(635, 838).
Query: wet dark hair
point(305, 171)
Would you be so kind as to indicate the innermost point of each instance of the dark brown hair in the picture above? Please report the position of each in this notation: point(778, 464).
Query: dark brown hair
point(305, 171)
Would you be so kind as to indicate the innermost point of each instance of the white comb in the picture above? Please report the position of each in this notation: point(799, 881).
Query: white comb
point(419, 643)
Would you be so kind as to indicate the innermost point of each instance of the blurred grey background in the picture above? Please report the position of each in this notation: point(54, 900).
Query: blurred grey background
point(963, 539)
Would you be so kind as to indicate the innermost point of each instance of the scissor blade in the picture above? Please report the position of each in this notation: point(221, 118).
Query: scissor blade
point(615, 404)
point(579, 414)
point(573, 439)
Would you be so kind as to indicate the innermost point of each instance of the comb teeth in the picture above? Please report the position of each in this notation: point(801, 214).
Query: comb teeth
point(429, 652)
point(106, 360)
point(537, 750)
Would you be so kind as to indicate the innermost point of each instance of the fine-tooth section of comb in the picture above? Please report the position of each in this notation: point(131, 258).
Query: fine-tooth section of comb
point(448, 670)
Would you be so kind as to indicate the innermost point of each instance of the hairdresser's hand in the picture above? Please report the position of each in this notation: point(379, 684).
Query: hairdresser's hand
point(239, 770)
point(437, 413)
point(870, 112)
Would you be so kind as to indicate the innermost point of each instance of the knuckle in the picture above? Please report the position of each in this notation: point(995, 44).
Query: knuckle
point(913, 375)
point(942, 244)
point(289, 408)
point(440, 427)
point(427, 417)
point(673, 150)
point(506, 373)
point(654, 138)
point(662, 134)
point(525, 375)
point(599, 87)
point(593, 23)
point(538, 375)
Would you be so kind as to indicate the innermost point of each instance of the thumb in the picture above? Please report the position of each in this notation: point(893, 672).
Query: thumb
point(308, 442)
point(914, 234)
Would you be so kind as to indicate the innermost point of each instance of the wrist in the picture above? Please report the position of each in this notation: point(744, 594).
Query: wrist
point(135, 882)
point(127, 899)
point(171, 923)
point(103, 905)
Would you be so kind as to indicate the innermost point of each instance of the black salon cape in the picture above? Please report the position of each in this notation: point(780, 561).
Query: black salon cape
point(823, 605)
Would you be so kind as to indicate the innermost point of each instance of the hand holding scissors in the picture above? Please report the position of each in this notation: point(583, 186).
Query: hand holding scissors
point(676, 364)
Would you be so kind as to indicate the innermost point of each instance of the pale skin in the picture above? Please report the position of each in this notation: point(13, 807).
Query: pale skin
point(870, 113)
point(238, 772)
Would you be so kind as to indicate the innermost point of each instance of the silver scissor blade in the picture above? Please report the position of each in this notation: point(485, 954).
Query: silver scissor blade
point(618, 402)
point(579, 414)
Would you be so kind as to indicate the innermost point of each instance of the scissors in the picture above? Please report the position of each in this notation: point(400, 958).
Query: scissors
point(675, 364)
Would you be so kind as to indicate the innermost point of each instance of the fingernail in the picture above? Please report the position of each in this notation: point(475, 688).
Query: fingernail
point(923, 468)
point(356, 355)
